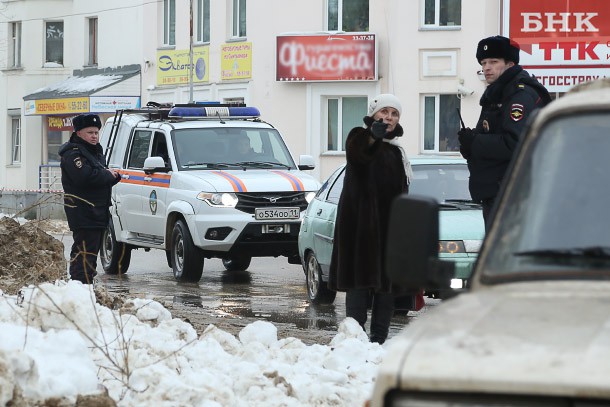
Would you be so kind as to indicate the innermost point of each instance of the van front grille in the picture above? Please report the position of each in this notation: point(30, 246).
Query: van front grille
point(247, 202)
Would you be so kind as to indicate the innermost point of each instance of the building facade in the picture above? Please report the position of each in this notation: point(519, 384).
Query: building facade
point(310, 67)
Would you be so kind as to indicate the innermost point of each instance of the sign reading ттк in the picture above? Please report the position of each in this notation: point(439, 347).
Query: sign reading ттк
point(326, 57)
point(563, 42)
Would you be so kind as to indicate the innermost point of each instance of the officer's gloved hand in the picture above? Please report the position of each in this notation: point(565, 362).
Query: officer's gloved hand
point(379, 129)
point(466, 137)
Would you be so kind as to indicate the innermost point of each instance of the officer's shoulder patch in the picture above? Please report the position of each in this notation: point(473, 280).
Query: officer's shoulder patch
point(78, 162)
point(520, 86)
point(516, 112)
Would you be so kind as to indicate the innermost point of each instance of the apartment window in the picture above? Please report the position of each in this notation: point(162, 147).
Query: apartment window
point(92, 59)
point(15, 45)
point(203, 20)
point(239, 18)
point(16, 140)
point(442, 13)
point(169, 22)
point(441, 123)
point(343, 114)
point(348, 15)
point(54, 42)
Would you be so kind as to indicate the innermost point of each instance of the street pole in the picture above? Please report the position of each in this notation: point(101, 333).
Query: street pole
point(191, 53)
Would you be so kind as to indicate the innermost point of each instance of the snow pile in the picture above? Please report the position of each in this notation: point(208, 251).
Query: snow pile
point(56, 341)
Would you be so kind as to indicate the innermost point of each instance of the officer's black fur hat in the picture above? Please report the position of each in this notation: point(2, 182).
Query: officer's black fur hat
point(498, 47)
point(86, 120)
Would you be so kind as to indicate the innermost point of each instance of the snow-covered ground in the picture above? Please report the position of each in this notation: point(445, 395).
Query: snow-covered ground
point(56, 341)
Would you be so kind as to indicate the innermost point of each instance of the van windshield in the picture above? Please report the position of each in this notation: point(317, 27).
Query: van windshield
point(553, 222)
point(230, 148)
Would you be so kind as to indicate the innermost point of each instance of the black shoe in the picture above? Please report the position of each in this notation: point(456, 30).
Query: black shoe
point(378, 340)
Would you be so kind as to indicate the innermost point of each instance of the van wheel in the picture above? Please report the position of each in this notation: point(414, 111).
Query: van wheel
point(114, 256)
point(168, 257)
point(187, 259)
point(237, 263)
point(317, 289)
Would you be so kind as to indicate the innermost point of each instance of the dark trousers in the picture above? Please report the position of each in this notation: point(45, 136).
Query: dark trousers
point(382, 310)
point(83, 256)
point(488, 206)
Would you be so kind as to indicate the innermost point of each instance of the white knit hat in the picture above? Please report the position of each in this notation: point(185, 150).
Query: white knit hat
point(384, 100)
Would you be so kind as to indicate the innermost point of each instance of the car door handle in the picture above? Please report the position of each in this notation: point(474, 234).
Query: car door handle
point(319, 212)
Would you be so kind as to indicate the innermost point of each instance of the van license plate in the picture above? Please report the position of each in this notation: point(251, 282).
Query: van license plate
point(276, 213)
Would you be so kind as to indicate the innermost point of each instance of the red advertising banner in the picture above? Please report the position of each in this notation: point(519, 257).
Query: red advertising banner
point(326, 57)
point(563, 42)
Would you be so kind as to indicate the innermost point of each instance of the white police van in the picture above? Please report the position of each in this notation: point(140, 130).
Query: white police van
point(189, 189)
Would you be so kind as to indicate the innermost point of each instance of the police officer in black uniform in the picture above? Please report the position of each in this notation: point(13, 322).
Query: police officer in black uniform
point(510, 97)
point(87, 184)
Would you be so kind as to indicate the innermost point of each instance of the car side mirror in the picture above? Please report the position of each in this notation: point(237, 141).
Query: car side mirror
point(306, 162)
point(412, 249)
point(155, 164)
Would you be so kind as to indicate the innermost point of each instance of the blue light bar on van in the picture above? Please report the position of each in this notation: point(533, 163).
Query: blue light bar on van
point(212, 111)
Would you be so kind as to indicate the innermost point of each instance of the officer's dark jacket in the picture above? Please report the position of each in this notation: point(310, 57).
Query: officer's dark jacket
point(87, 184)
point(505, 107)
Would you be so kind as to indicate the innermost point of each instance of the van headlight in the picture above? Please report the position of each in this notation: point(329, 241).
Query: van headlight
point(219, 199)
point(309, 196)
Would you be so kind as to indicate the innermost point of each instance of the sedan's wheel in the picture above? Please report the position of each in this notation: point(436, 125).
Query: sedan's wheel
point(235, 263)
point(187, 259)
point(114, 256)
point(317, 290)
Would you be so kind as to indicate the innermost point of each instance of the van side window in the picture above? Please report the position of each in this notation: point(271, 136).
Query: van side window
point(139, 149)
point(159, 148)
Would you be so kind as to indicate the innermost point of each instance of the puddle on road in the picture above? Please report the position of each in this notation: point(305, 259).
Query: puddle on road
point(240, 296)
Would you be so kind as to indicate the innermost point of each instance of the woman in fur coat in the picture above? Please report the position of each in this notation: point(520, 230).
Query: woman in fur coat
point(377, 171)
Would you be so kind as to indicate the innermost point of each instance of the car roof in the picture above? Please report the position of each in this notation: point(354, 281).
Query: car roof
point(194, 124)
point(423, 159)
point(436, 159)
point(583, 98)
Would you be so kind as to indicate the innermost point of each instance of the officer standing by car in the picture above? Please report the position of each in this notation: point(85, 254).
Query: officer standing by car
point(87, 184)
point(509, 99)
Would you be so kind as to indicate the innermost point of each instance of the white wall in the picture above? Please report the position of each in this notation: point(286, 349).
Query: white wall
point(130, 32)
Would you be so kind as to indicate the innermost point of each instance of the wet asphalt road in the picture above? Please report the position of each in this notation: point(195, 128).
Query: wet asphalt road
point(270, 290)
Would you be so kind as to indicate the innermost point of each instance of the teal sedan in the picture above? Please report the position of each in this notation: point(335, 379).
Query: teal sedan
point(441, 177)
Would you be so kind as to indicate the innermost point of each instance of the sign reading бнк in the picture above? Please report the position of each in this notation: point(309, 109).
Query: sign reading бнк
point(326, 57)
point(563, 42)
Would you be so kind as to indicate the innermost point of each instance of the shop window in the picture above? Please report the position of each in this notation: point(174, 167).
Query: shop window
point(348, 15)
point(92, 59)
point(54, 44)
point(441, 123)
point(343, 114)
point(55, 139)
point(239, 18)
point(15, 45)
point(203, 21)
point(441, 13)
point(169, 22)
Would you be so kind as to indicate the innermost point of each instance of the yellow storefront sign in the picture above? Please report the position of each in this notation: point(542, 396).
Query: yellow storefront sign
point(62, 106)
point(236, 60)
point(173, 66)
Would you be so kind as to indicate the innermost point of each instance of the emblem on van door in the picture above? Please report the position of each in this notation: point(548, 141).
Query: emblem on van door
point(152, 202)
